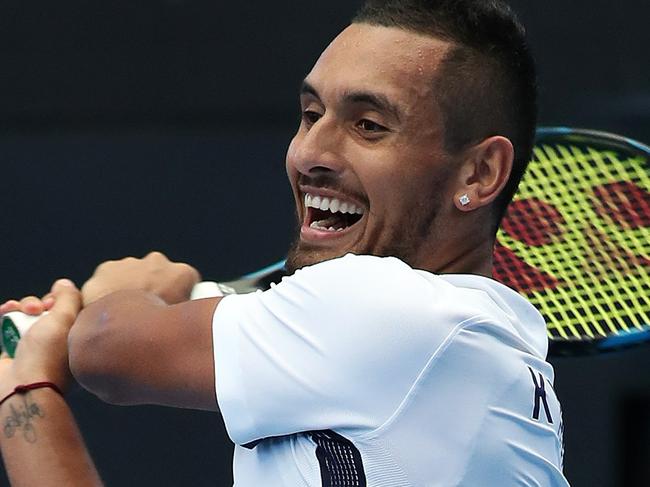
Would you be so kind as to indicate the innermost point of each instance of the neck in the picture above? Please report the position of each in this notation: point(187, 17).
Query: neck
point(476, 259)
point(464, 252)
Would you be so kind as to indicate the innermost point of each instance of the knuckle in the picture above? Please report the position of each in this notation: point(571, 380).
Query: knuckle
point(156, 255)
point(188, 270)
point(65, 315)
point(88, 289)
point(104, 265)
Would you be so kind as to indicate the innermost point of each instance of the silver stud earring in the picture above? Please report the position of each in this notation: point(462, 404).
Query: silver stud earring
point(464, 200)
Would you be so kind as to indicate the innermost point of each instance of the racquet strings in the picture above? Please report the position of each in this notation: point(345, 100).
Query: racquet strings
point(576, 238)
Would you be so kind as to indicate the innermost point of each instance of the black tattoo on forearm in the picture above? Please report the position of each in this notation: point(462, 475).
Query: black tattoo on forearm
point(21, 418)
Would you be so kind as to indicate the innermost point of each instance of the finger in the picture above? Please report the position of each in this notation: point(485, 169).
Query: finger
point(11, 305)
point(156, 256)
point(89, 292)
point(5, 360)
point(31, 305)
point(59, 284)
point(189, 271)
point(67, 301)
point(102, 266)
point(48, 301)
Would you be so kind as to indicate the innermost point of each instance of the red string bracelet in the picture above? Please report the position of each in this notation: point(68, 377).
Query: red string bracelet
point(22, 389)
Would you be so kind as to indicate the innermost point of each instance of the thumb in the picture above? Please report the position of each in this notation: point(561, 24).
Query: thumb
point(67, 302)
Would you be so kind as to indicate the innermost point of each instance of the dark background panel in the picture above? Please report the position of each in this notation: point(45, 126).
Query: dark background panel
point(74, 198)
point(159, 62)
point(636, 435)
point(131, 126)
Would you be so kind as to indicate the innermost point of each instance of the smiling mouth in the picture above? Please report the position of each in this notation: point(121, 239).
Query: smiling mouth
point(330, 214)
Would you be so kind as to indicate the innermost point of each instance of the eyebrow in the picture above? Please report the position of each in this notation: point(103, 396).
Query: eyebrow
point(377, 100)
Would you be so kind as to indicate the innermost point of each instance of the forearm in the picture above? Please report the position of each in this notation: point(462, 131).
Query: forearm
point(100, 343)
point(131, 348)
point(41, 444)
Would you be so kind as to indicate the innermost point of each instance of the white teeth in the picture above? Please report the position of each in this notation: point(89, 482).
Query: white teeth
point(325, 204)
point(318, 225)
point(332, 204)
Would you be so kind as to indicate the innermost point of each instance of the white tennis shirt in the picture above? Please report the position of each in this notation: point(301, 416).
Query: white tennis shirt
point(361, 371)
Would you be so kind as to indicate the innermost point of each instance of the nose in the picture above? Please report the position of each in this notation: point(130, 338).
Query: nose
point(317, 150)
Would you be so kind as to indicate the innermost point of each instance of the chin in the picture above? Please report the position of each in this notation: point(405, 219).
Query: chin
point(299, 256)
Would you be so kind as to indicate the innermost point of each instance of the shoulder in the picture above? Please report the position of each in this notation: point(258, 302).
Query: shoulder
point(358, 293)
point(368, 277)
point(354, 305)
point(505, 313)
point(355, 269)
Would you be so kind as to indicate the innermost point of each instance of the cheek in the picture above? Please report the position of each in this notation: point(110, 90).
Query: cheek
point(388, 192)
point(409, 192)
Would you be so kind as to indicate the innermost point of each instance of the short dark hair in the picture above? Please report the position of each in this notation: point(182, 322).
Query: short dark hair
point(487, 83)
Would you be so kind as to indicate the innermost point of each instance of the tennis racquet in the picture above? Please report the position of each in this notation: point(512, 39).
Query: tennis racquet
point(575, 241)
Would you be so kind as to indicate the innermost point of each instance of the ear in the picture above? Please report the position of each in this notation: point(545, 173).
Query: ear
point(484, 173)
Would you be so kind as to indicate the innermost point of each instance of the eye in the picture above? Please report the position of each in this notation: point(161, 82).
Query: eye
point(310, 117)
point(370, 126)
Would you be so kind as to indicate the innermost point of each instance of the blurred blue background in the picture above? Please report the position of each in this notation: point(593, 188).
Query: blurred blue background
point(131, 126)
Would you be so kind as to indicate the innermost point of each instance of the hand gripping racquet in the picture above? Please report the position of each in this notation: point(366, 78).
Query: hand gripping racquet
point(15, 324)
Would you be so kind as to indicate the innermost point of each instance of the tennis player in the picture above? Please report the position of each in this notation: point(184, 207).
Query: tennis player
point(388, 357)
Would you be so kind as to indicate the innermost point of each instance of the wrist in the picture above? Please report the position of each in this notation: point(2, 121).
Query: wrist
point(8, 382)
point(21, 390)
point(15, 379)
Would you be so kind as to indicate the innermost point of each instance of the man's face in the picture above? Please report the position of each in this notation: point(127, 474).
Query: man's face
point(367, 165)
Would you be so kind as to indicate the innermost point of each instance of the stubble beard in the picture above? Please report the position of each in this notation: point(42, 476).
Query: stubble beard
point(299, 256)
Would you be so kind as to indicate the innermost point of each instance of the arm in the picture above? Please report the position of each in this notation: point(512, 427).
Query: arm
point(139, 341)
point(40, 442)
point(130, 347)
